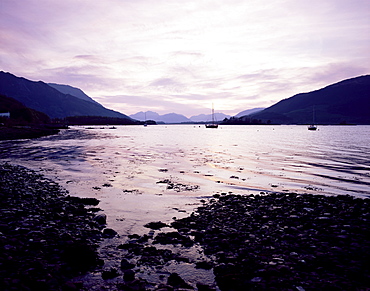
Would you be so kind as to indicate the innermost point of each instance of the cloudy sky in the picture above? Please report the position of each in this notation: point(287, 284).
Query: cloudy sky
point(183, 55)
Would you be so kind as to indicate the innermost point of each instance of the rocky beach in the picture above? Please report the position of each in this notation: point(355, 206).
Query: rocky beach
point(26, 132)
point(46, 236)
point(275, 241)
point(133, 209)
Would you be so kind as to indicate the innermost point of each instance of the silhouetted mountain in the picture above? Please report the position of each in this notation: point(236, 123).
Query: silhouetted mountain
point(345, 102)
point(208, 117)
point(174, 118)
point(148, 115)
point(98, 120)
point(20, 114)
point(42, 97)
point(249, 111)
point(166, 118)
point(66, 89)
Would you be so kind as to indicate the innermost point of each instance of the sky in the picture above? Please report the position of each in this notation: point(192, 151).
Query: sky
point(185, 55)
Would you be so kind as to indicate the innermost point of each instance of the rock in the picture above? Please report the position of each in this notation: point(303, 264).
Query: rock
point(176, 281)
point(46, 236)
point(101, 219)
point(164, 287)
point(173, 238)
point(204, 265)
point(69, 286)
point(81, 255)
point(109, 233)
point(155, 225)
point(203, 287)
point(126, 265)
point(110, 274)
point(129, 275)
point(133, 285)
point(85, 201)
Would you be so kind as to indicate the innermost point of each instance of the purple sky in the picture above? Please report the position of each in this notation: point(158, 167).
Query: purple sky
point(182, 56)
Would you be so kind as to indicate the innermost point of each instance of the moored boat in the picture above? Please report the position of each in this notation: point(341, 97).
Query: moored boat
point(213, 124)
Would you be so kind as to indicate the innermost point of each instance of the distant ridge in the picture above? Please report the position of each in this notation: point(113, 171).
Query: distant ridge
point(20, 114)
point(176, 118)
point(345, 102)
point(44, 98)
point(249, 111)
point(208, 117)
point(66, 89)
point(166, 118)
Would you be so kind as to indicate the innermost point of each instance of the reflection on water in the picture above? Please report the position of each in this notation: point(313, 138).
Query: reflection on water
point(136, 171)
point(127, 163)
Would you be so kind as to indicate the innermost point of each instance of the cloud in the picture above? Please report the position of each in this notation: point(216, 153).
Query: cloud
point(186, 54)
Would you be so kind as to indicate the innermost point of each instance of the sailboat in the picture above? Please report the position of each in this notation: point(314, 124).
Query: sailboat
point(312, 126)
point(145, 123)
point(213, 124)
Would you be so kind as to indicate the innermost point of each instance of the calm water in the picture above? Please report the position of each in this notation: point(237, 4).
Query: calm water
point(122, 168)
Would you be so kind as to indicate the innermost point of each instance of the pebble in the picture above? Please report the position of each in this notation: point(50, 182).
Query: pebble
point(46, 236)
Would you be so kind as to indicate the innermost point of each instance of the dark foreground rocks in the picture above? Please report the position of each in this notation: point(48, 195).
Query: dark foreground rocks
point(25, 132)
point(285, 241)
point(279, 241)
point(46, 236)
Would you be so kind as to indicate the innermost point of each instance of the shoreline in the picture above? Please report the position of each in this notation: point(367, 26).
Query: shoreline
point(26, 132)
point(46, 236)
point(275, 241)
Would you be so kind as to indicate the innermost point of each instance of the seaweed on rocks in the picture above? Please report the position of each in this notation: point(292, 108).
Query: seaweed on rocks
point(46, 236)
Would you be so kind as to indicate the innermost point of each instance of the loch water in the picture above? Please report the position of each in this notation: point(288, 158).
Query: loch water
point(156, 173)
point(132, 168)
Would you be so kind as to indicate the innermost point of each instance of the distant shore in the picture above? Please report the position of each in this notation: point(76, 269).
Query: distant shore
point(25, 132)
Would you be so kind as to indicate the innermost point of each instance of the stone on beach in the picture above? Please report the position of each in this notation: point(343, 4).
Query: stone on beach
point(47, 237)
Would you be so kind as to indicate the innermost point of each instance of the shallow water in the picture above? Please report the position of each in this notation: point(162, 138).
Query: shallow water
point(122, 167)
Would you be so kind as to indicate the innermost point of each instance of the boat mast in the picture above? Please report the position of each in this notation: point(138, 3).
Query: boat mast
point(313, 114)
point(213, 114)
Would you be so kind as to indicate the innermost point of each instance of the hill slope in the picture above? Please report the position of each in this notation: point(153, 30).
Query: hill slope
point(166, 118)
point(40, 96)
point(344, 102)
point(20, 114)
point(66, 89)
point(208, 117)
point(249, 111)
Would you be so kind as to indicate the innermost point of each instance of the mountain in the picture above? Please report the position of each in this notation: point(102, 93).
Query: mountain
point(345, 102)
point(208, 117)
point(42, 97)
point(166, 118)
point(174, 118)
point(249, 111)
point(66, 89)
point(148, 115)
point(20, 114)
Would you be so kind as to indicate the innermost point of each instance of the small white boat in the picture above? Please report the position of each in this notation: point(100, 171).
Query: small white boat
point(213, 124)
point(313, 126)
